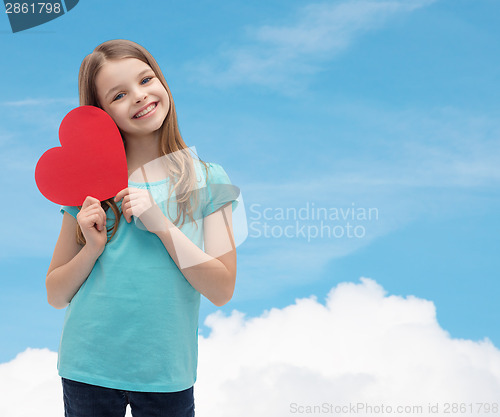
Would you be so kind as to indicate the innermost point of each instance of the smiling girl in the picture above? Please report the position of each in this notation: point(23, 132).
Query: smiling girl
point(132, 289)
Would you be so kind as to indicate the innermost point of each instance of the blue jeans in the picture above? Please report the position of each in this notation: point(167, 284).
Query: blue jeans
point(84, 400)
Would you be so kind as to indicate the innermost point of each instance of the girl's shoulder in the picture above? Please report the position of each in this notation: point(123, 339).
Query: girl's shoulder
point(72, 210)
point(216, 174)
point(219, 189)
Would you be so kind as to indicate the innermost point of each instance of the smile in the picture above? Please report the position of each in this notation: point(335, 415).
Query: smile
point(146, 111)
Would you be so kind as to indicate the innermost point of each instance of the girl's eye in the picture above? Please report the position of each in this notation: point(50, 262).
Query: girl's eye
point(147, 79)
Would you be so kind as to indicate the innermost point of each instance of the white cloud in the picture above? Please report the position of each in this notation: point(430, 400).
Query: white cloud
point(360, 346)
point(274, 54)
point(30, 385)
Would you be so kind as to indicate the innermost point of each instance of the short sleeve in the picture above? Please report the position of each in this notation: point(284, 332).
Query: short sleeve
point(220, 190)
point(71, 210)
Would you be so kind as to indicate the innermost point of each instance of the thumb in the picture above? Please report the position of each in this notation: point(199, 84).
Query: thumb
point(89, 201)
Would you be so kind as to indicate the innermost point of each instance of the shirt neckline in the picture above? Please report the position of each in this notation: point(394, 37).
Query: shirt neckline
point(148, 183)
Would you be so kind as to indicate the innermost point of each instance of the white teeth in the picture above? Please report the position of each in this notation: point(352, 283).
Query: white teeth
point(145, 111)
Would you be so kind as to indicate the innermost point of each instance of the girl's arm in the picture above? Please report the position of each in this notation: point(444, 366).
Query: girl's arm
point(213, 272)
point(72, 263)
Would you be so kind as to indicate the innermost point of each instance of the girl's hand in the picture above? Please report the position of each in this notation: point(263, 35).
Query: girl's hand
point(92, 221)
point(140, 203)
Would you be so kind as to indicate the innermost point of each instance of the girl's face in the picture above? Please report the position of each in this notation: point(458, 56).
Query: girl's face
point(129, 91)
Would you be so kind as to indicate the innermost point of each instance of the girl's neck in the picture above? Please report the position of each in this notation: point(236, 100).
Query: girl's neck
point(141, 150)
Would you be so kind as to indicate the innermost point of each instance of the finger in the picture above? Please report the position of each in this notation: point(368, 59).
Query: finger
point(127, 213)
point(91, 220)
point(88, 212)
point(138, 206)
point(121, 194)
point(89, 201)
point(92, 207)
point(145, 195)
point(132, 193)
point(89, 215)
point(139, 194)
point(142, 198)
point(125, 206)
point(130, 208)
point(103, 216)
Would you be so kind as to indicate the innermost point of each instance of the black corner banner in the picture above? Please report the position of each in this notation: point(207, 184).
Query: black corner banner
point(26, 14)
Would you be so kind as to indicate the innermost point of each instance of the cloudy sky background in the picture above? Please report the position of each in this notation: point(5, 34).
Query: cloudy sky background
point(390, 105)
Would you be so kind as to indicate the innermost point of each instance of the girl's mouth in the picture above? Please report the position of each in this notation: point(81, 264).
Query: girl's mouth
point(146, 112)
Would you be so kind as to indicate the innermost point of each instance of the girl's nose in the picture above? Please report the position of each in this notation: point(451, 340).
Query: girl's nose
point(140, 95)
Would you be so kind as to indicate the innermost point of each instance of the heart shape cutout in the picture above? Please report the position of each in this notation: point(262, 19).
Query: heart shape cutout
point(90, 161)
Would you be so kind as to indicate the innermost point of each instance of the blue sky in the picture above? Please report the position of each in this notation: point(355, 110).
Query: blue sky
point(390, 105)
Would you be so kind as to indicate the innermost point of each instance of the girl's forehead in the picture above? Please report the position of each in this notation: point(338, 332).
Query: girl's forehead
point(124, 66)
point(118, 72)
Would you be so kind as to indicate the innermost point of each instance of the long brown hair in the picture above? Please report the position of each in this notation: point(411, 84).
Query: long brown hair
point(182, 170)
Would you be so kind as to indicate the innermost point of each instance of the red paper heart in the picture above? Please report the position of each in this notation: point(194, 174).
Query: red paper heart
point(91, 160)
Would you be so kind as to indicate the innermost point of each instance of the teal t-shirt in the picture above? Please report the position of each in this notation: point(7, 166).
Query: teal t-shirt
point(133, 324)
